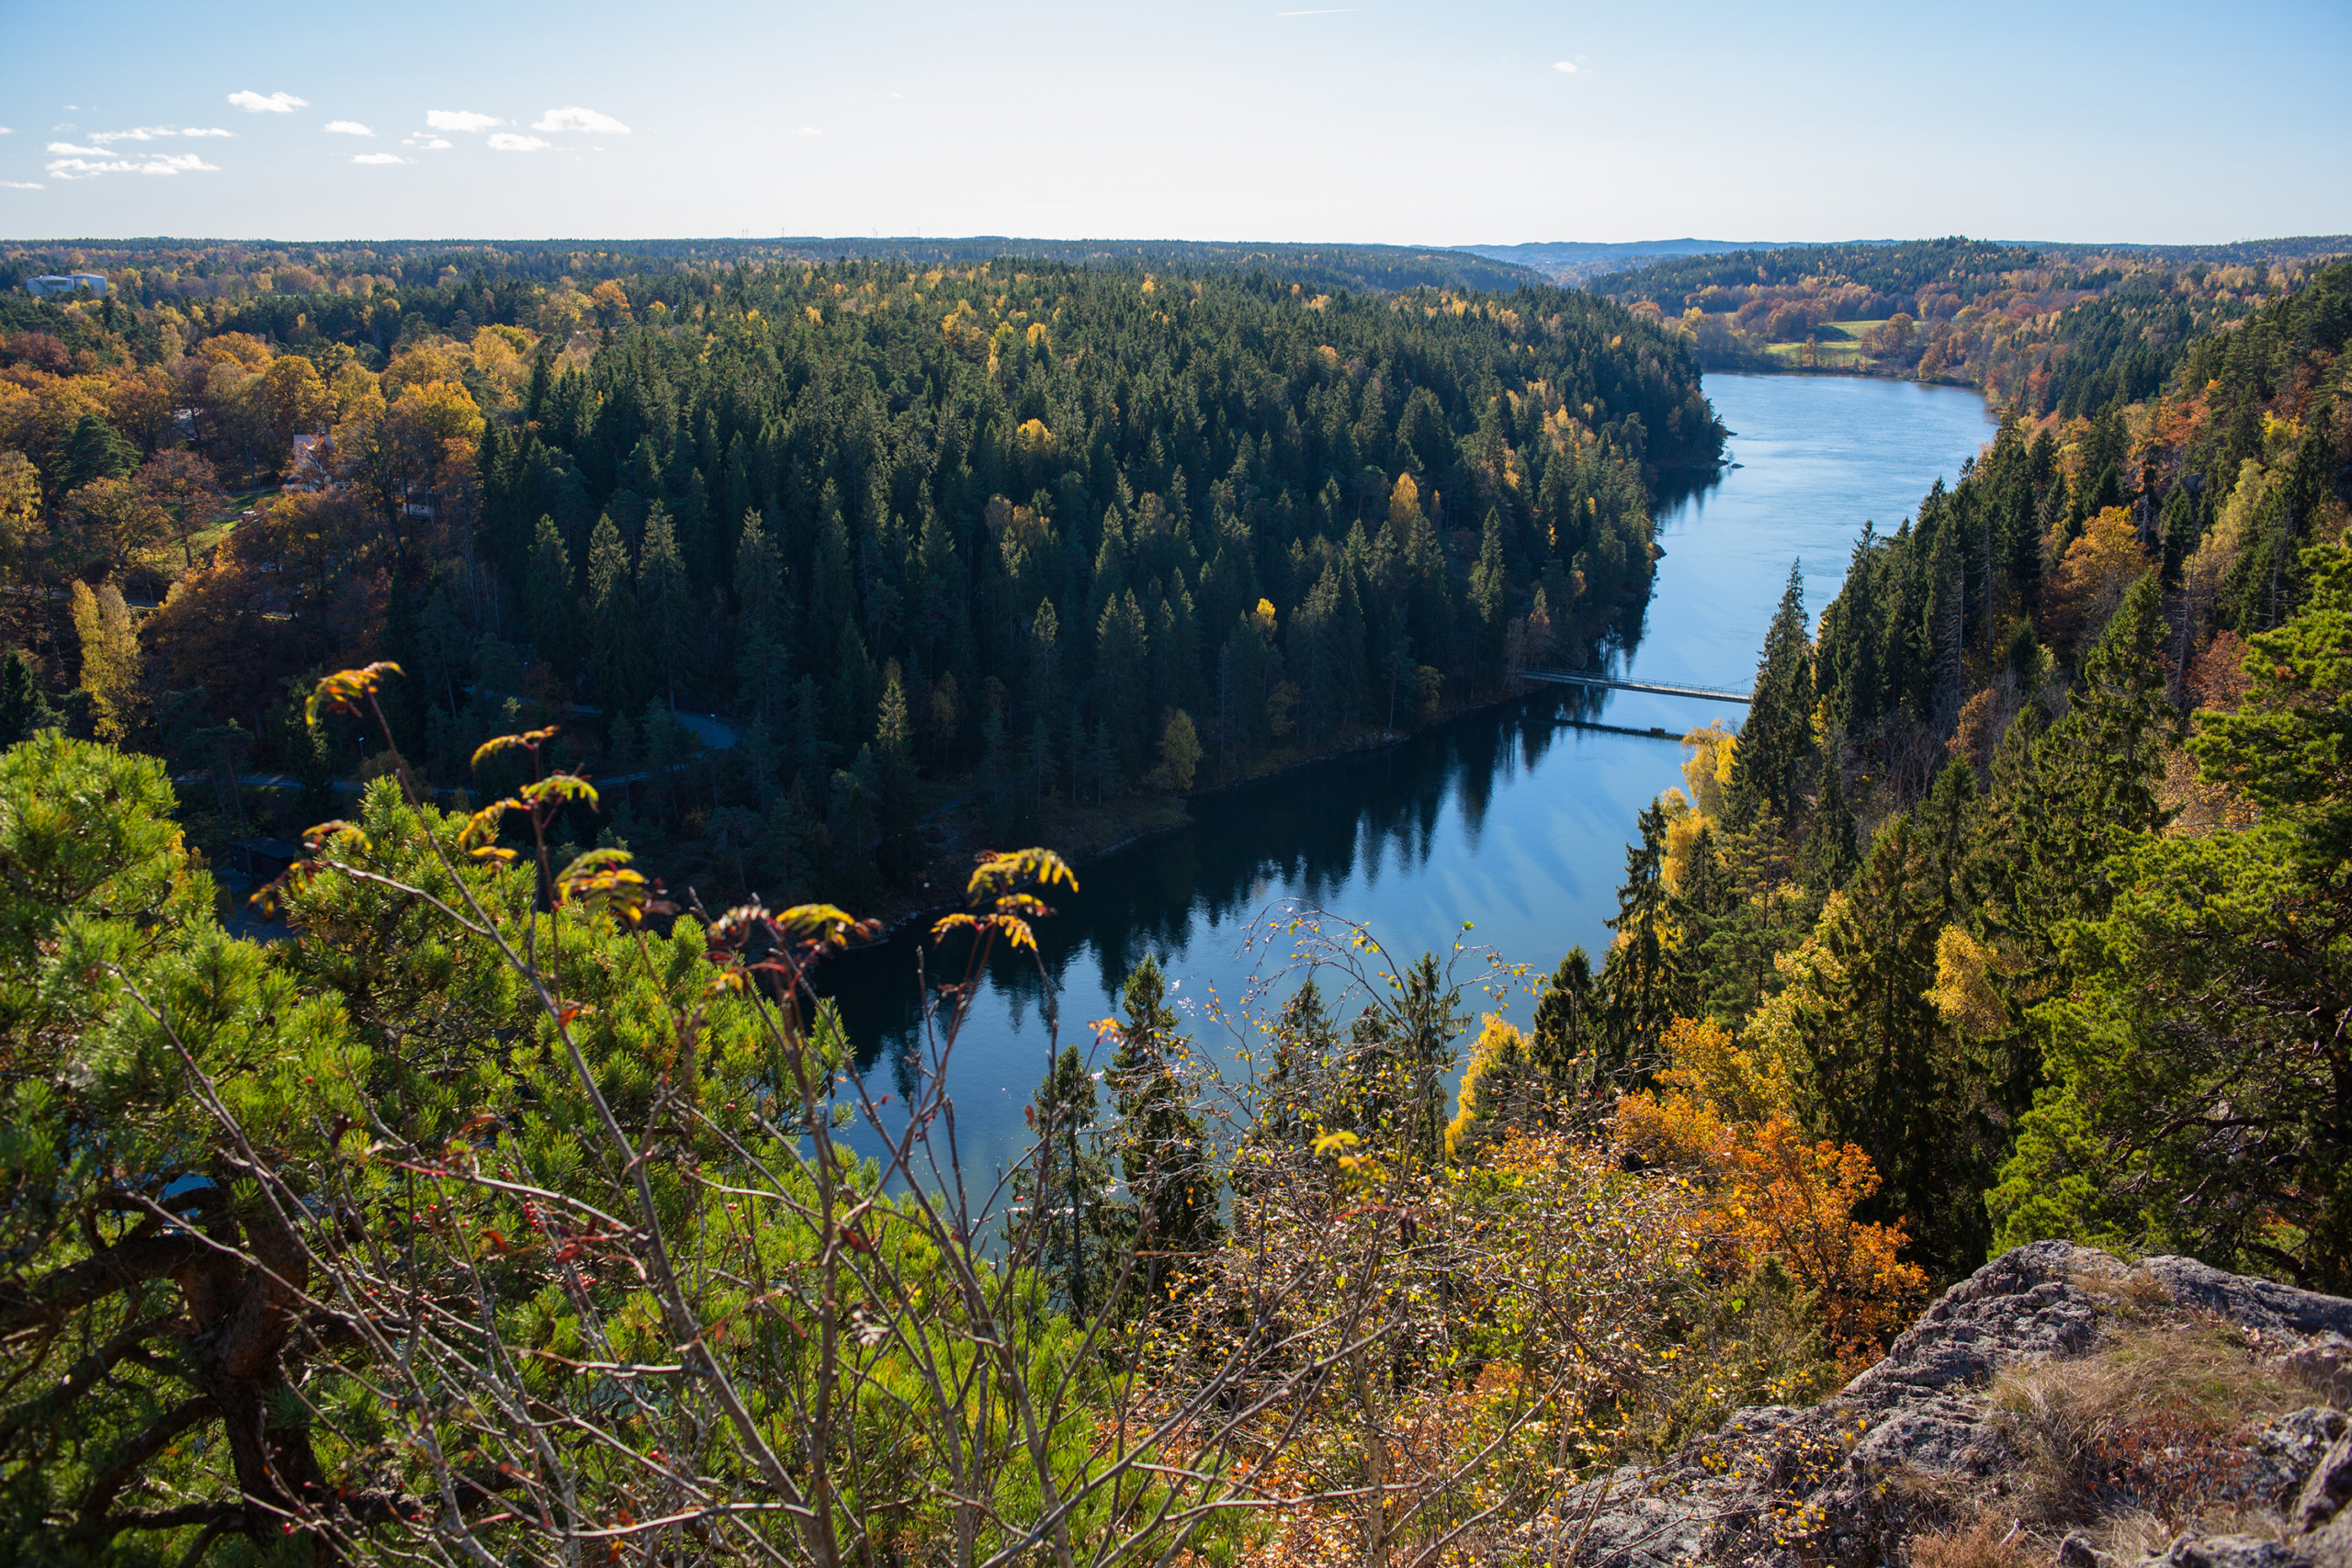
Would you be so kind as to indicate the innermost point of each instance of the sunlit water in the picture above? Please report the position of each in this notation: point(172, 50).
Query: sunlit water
point(1515, 819)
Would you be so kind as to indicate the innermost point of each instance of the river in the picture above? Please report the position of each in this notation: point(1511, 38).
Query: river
point(1514, 818)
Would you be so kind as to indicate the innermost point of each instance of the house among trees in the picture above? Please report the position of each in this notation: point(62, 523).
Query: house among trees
point(55, 283)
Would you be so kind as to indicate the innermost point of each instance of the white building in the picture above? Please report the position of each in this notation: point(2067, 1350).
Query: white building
point(53, 283)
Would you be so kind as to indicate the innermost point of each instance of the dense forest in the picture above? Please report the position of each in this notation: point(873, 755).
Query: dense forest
point(2044, 329)
point(1032, 536)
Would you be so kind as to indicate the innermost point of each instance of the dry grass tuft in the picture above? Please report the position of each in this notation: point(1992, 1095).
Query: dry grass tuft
point(2125, 1290)
point(1989, 1542)
point(2135, 1442)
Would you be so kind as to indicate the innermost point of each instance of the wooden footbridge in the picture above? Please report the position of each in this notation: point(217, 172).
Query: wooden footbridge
point(1607, 682)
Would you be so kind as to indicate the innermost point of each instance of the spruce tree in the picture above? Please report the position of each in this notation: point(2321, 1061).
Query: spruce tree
point(665, 598)
point(614, 660)
point(1078, 1226)
point(1636, 978)
point(894, 758)
point(1776, 743)
point(1163, 1145)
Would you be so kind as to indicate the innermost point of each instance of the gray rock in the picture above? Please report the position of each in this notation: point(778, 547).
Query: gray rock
point(2076, 1552)
point(1849, 1481)
point(2228, 1551)
point(2283, 1453)
point(2327, 1488)
point(2265, 1305)
point(2326, 1364)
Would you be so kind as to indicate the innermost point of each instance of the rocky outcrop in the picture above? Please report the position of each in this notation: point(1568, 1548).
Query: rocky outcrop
point(1917, 1442)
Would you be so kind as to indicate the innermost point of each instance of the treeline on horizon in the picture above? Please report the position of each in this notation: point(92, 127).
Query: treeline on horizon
point(155, 269)
point(1063, 531)
point(2041, 329)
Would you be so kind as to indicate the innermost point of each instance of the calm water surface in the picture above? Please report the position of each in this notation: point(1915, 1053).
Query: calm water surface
point(1516, 817)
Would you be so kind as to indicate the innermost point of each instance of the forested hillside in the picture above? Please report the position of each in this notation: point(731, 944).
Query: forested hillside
point(2044, 329)
point(2026, 877)
point(1039, 534)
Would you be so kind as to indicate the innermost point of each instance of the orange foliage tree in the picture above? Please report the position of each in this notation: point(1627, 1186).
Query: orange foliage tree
point(1723, 1117)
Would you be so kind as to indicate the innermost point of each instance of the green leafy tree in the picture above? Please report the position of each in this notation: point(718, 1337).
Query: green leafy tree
point(2200, 1092)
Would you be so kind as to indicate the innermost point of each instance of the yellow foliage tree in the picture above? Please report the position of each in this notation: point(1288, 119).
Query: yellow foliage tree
point(111, 671)
point(1496, 1089)
point(2092, 578)
point(1180, 750)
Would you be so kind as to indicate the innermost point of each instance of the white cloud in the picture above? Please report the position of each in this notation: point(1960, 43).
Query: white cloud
point(79, 165)
point(377, 158)
point(508, 141)
point(21, 184)
point(578, 118)
point(149, 133)
point(347, 128)
point(68, 148)
point(810, 130)
point(277, 103)
point(461, 119)
point(5, 131)
point(1567, 65)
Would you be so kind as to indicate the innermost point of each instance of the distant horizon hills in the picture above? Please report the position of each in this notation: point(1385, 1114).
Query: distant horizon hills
point(1576, 260)
point(1323, 265)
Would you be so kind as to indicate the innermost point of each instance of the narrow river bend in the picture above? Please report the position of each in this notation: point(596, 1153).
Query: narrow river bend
point(1515, 817)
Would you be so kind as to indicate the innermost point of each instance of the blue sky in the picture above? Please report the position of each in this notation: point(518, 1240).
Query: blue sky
point(1471, 122)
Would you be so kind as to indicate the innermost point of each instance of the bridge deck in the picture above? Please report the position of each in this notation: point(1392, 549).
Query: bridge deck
point(1574, 678)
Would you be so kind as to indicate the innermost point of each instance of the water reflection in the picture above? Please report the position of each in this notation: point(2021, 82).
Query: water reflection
point(1515, 819)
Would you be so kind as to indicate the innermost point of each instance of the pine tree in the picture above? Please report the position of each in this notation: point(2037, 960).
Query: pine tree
point(24, 703)
point(1636, 978)
point(1489, 598)
point(615, 663)
point(1776, 743)
point(672, 627)
point(894, 757)
point(1567, 1025)
point(1078, 1225)
point(1879, 1070)
point(551, 606)
point(1122, 650)
point(1162, 1146)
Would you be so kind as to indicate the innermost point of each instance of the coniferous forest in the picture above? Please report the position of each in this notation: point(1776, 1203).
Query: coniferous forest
point(1041, 534)
point(515, 1205)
